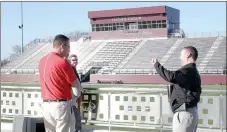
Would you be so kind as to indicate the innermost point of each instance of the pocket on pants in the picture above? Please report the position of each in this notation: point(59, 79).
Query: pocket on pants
point(185, 117)
point(63, 111)
point(178, 117)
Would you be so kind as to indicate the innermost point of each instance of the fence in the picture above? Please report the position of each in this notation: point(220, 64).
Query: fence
point(144, 108)
point(120, 71)
point(153, 71)
point(204, 34)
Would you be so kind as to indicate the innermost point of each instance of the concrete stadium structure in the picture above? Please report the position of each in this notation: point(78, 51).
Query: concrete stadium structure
point(131, 23)
point(119, 49)
point(119, 58)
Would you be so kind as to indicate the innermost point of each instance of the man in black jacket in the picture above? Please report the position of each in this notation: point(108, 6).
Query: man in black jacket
point(186, 90)
point(74, 61)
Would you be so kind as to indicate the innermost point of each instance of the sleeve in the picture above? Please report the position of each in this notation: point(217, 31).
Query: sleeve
point(69, 73)
point(176, 77)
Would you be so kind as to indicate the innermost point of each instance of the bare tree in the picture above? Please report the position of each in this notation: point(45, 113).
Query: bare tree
point(16, 48)
point(4, 61)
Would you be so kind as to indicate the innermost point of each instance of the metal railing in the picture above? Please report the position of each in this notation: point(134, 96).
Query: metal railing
point(144, 108)
point(116, 71)
point(153, 71)
point(204, 34)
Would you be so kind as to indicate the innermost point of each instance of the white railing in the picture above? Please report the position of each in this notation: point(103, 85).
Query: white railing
point(205, 34)
point(145, 108)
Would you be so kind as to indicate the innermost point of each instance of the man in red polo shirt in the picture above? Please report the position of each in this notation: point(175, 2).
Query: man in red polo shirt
point(58, 81)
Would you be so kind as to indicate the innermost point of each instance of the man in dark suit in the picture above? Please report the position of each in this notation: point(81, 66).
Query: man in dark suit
point(186, 90)
point(74, 61)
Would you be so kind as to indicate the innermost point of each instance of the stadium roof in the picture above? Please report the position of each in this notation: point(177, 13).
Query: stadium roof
point(127, 12)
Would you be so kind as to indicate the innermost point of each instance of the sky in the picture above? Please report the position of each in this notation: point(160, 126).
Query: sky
point(43, 19)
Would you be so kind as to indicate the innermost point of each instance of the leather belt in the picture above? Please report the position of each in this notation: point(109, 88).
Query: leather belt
point(58, 100)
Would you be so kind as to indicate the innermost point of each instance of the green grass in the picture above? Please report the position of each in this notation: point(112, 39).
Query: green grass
point(89, 85)
point(95, 86)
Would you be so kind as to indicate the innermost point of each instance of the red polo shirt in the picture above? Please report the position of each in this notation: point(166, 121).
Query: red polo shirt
point(58, 74)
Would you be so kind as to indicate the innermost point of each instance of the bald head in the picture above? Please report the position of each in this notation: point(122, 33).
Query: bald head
point(188, 55)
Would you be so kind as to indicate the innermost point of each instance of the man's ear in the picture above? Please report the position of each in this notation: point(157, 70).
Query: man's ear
point(186, 53)
point(62, 46)
point(189, 54)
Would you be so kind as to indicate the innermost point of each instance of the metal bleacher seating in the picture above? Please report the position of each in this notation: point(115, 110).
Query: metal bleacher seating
point(202, 44)
point(152, 48)
point(83, 49)
point(33, 62)
point(218, 60)
point(111, 54)
point(128, 56)
point(22, 57)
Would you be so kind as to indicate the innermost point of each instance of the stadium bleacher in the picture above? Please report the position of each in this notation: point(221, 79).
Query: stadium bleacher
point(125, 56)
point(33, 62)
point(83, 49)
point(111, 54)
point(218, 60)
point(202, 44)
point(152, 48)
point(22, 57)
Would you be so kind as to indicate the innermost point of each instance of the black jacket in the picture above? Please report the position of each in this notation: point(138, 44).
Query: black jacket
point(77, 75)
point(186, 85)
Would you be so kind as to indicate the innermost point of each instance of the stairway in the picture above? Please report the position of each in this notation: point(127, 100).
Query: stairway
point(137, 48)
point(170, 51)
point(210, 53)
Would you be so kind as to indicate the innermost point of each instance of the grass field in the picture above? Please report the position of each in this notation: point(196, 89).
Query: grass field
point(95, 86)
point(89, 85)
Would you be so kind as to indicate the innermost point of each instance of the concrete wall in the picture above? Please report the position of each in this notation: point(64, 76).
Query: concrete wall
point(155, 79)
point(127, 34)
point(143, 79)
point(19, 78)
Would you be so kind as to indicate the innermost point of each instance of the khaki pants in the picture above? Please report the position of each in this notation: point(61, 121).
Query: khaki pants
point(185, 121)
point(58, 116)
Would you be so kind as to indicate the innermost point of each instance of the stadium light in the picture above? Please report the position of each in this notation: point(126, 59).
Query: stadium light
point(22, 29)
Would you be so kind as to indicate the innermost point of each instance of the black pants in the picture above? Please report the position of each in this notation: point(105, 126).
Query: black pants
point(78, 125)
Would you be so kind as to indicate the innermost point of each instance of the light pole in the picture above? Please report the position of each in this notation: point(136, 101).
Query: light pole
point(22, 29)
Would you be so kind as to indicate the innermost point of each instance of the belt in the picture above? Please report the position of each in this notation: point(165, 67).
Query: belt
point(184, 107)
point(58, 100)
